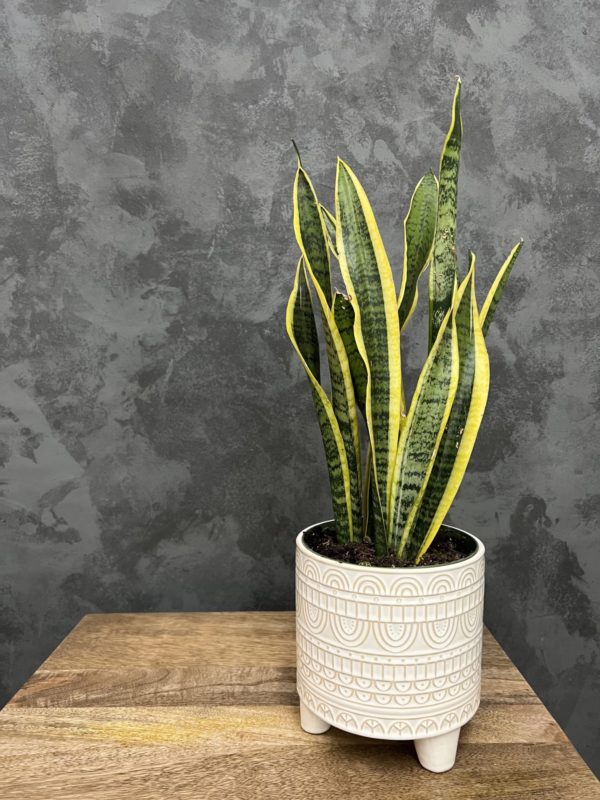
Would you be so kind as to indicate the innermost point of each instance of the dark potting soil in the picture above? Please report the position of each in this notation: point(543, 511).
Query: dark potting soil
point(449, 545)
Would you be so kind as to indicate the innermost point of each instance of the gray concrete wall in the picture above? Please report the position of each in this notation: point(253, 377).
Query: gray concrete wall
point(158, 444)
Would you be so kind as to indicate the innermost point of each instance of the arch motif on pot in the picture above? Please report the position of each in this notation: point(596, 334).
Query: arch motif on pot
point(470, 621)
point(315, 618)
point(406, 587)
point(394, 637)
point(369, 585)
point(439, 633)
point(334, 579)
point(468, 578)
point(348, 630)
point(441, 584)
point(372, 727)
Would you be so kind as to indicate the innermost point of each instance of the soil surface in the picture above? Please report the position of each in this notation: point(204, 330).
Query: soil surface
point(448, 546)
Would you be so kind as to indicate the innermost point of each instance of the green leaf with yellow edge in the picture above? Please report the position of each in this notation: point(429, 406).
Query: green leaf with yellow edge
point(497, 288)
point(343, 314)
point(310, 231)
point(463, 423)
point(301, 328)
point(370, 286)
point(419, 232)
point(423, 431)
point(443, 271)
point(329, 221)
point(311, 238)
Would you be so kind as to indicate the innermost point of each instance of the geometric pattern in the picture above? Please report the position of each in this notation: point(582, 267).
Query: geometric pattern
point(389, 653)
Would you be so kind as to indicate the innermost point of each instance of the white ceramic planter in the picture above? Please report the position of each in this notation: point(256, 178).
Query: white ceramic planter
point(390, 653)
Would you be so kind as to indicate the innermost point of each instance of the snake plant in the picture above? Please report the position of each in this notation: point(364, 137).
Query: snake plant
point(397, 492)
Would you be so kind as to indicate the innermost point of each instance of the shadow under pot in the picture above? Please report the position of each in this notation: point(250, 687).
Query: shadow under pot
point(391, 653)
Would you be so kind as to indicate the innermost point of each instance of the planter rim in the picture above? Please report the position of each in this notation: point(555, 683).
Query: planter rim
point(452, 565)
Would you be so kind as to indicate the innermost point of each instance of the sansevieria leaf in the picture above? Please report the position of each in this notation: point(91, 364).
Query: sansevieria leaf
point(301, 328)
point(443, 271)
point(419, 231)
point(329, 221)
point(396, 497)
point(497, 288)
point(370, 286)
point(463, 422)
point(422, 432)
point(343, 314)
point(310, 234)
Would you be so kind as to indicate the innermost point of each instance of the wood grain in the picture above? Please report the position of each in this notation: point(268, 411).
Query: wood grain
point(227, 639)
point(203, 706)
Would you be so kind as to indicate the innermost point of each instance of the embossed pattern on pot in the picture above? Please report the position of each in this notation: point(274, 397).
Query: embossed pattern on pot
point(389, 653)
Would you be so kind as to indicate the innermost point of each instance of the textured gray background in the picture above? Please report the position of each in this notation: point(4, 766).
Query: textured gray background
point(157, 438)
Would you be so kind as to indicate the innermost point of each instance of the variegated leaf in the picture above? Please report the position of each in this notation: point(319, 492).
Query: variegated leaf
point(419, 231)
point(463, 422)
point(422, 432)
point(310, 234)
point(370, 286)
point(310, 231)
point(443, 272)
point(493, 298)
point(301, 328)
point(344, 317)
point(329, 221)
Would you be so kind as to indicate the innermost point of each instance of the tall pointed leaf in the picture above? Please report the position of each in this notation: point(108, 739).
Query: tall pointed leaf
point(329, 221)
point(311, 237)
point(463, 423)
point(423, 431)
point(419, 231)
point(444, 270)
point(301, 328)
point(370, 285)
point(343, 314)
point(310, 231)
point(491, 301)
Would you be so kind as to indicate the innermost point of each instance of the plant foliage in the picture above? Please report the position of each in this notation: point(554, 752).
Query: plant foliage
point(399, 491)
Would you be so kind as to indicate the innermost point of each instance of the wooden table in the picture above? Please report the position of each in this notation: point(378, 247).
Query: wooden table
point(202, 706)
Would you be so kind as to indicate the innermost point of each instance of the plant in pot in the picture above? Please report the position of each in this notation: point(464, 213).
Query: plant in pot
point(389, 599)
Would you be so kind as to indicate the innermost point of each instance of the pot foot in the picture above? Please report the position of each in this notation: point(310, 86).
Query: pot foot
point(438, 753)
point(309, 721)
